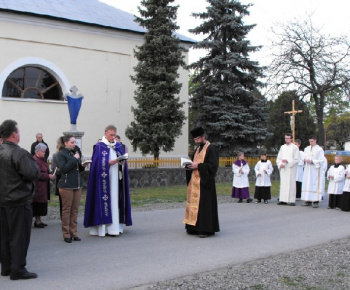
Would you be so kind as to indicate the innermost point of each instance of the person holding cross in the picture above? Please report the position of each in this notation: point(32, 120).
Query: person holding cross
point(287, 161)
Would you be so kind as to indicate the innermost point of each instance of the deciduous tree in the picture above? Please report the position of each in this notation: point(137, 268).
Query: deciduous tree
point(312, 63)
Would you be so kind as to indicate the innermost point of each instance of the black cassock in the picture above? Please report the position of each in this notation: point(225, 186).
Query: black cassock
point(207, 219)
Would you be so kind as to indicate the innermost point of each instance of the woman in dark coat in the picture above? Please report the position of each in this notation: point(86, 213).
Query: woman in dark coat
point(70, 186)
point(42, 186)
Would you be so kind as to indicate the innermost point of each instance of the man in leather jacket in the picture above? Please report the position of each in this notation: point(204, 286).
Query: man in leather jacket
point(18, 171)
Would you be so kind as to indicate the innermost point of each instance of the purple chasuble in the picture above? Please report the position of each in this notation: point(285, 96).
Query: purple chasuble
point(98, 199)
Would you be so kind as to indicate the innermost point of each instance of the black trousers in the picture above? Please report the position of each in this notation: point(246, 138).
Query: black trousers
point(16, 226)
point(298, 193)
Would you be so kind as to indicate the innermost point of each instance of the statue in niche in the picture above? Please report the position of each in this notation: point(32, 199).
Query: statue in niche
point(74, 104)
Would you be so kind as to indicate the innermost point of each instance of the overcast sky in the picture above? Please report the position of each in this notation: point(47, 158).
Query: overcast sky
point(333, 16)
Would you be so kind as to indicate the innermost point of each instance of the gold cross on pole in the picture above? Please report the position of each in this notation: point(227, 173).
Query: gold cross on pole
point(293, 112)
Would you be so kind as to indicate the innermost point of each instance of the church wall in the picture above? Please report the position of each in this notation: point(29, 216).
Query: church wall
point(97, 61)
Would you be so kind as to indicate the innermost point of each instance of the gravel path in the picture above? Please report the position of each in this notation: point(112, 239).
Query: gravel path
point(322, 267)
point(325, 267)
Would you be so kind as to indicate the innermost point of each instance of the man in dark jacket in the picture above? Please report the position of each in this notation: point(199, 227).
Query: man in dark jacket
point(18, 171)
point(39, 139)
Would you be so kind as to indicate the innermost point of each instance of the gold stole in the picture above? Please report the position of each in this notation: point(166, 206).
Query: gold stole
point(193, 189)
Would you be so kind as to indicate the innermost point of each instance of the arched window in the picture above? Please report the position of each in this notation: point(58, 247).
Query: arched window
point(29, 82)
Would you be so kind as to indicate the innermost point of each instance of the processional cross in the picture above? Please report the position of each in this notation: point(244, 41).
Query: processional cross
point(292, 113)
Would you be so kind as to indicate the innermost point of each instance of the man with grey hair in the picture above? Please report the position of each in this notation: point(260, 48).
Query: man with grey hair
point(39, 139)
point(107, 206)
point(18, 171)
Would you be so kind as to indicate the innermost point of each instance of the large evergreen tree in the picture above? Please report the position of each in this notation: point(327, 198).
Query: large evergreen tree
point(158, 118)
point(226, 100)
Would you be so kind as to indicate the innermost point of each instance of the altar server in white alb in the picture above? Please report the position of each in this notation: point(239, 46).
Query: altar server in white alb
point(287, 163)
point(345, 200)
point(240, 185)
point(263, 169)
point(336, 176)
point(300, 171)
point(313, 183)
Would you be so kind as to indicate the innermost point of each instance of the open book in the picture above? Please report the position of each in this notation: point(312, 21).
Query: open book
point(86, 162)
point(185, 161)
point(123, 157)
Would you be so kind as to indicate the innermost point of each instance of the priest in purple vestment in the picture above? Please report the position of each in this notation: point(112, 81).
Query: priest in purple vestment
point(107, 206)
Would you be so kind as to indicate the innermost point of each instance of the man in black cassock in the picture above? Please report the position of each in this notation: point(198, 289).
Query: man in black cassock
point(201, 217)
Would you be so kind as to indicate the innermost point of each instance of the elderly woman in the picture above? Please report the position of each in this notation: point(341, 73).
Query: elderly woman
point(70, 186)
point(42, 186)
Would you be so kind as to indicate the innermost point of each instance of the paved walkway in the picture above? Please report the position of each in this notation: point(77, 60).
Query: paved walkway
point(157, 248)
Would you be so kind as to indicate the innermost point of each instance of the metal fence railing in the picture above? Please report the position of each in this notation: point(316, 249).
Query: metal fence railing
point(174, 162)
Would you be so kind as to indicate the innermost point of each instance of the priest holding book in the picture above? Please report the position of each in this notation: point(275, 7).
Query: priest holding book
point(107, 206)
point(201, 216)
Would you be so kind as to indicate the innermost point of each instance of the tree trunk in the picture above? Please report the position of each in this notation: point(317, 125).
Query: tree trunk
point(156, 159)
point(319, 106)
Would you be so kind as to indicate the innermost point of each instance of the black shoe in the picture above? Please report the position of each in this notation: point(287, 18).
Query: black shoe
point(68, 240)
point(38, 225)
point(281, 203)
point(191, 232)
point(109, 235)
point(45, 225)
point(240, 200)
point(6, 273)
point(26, 275)
point(249, 200)
point(77, 239)
point(203, 236)
point(292, 204)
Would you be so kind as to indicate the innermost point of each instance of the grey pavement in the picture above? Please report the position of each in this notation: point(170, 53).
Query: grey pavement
point(156, 248)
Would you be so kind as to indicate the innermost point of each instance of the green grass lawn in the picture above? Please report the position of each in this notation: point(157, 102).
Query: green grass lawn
point(151, 195)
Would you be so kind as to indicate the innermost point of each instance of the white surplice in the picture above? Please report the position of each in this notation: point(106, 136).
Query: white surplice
point(336, 185)
point(115, 228)
point(288, 173)
point(240, 180)
point(264, 178)
point(314, 174)
point(347, 179)
point(300, 171)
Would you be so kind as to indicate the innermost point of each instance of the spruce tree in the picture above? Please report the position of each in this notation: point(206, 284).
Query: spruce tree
point(227, 101)
point(158, 117)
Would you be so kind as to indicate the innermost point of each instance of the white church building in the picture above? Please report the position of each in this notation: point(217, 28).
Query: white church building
point(49, 46)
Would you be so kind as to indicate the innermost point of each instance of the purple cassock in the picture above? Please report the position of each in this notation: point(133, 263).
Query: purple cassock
point(242, 193)
point(98, 198)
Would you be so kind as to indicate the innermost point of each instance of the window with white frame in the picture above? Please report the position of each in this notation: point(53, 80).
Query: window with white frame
point(30, 82)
